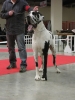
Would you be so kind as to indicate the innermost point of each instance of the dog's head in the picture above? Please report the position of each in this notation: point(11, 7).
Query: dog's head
point(34, 18)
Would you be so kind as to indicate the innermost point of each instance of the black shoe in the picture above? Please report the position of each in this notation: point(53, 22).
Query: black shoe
point(13, 65)
point(22, 69)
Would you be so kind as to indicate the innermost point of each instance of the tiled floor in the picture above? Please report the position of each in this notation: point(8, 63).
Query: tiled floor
point(22, 86)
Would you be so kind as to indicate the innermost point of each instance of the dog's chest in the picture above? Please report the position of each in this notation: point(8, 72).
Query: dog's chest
point(40, 41)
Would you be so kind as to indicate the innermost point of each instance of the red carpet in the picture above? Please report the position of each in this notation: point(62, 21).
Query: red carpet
point(6, 50)
point(61, 59)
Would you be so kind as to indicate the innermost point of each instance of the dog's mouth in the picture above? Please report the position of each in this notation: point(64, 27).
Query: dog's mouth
point(30, 27)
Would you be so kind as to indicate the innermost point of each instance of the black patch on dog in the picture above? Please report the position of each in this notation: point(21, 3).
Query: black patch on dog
point(52, 36)
point(36, 64)
point(46, 47)
point(45, 53)
point(28, 20)
point(54, 59)
point(36, 14)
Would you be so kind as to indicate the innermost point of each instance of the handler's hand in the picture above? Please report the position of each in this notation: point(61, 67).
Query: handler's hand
point(11, 13)
point(35, 8)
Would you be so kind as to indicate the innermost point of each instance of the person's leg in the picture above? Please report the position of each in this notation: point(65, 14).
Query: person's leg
point(11, 49)
point(22, 51)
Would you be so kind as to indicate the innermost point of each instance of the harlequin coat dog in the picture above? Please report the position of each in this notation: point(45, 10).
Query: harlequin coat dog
point(42, 41)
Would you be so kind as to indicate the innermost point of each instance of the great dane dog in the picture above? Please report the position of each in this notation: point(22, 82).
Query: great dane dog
point(42, 41)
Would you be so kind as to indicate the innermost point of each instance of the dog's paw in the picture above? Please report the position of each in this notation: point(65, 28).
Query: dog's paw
point(44, 78)
point(58, 71)
point(40, 69)
point(37, 78)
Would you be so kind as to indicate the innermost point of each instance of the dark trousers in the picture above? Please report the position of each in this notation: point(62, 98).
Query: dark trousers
point(21, 48)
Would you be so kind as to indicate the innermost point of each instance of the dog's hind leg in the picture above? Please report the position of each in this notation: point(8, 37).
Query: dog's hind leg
point(42, 63)
point(54, 58)
point(37, 77)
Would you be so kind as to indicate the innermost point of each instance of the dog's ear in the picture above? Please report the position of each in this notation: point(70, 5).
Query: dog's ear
point(28, 20)
point(34, 13)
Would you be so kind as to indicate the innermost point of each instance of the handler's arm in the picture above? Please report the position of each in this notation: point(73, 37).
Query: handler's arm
point(4, 14)
point(28, 8)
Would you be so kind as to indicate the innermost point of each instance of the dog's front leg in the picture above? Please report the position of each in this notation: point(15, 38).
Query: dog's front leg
point(42, 63)
point(37, 77)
